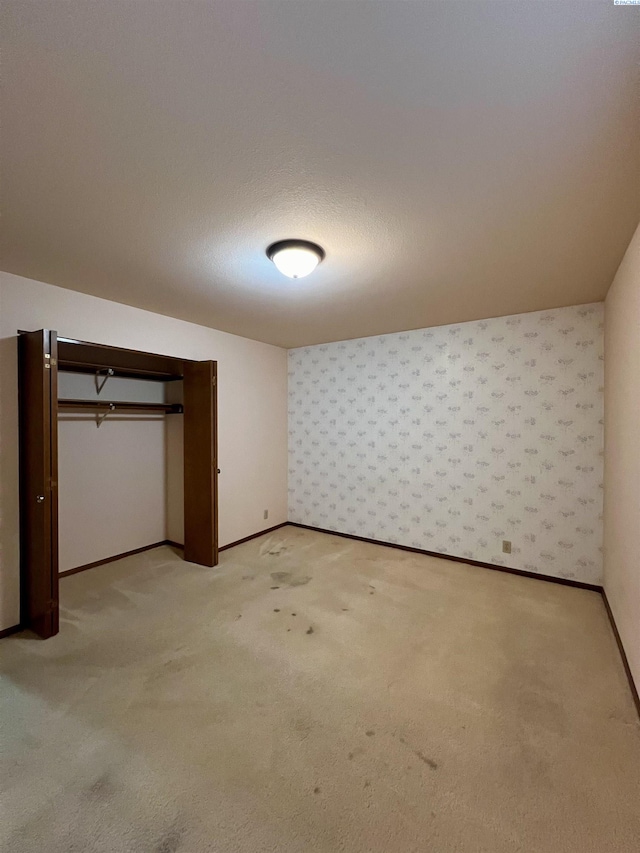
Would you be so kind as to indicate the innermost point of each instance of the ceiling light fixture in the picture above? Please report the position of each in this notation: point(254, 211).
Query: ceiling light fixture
point(295, 258)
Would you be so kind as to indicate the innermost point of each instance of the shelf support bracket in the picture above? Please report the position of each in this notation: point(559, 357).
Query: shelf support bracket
point(100, 383)
point(101, 417)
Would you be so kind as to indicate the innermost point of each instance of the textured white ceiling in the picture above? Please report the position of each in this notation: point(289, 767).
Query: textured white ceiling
point(457, 160)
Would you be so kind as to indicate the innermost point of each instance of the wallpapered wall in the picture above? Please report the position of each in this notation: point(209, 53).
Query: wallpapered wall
point(454, 438)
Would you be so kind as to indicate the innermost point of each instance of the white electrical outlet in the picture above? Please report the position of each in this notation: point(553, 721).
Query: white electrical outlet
point(266, 513)
point(506, 546)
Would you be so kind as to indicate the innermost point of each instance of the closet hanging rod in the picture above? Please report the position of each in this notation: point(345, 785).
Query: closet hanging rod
point(119, 407)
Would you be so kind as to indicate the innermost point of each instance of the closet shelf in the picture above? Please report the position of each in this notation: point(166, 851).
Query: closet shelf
point(121, 407)
point(69, 366)
point(83, 357)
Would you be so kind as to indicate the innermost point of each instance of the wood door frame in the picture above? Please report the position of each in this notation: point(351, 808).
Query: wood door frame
point(200, 450)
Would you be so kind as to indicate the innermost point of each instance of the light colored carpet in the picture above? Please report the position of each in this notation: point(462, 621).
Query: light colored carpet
point(318, 694)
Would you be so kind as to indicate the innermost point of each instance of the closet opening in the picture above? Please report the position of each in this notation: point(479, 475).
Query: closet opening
point(104, 389)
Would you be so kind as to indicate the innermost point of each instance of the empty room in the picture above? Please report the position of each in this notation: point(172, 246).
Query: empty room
point(319, 426)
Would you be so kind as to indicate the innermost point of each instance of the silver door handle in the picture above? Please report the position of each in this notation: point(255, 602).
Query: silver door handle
point(40, 499)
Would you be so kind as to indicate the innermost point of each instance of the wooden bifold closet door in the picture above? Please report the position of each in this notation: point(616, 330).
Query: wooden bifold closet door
point(38, 402)
point(38, 396)
point(200, 463)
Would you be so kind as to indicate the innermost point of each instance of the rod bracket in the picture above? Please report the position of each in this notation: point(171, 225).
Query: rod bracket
point(101, 417)
point(101, 382)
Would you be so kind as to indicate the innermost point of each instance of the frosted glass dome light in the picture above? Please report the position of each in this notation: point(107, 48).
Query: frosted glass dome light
point(295, 258)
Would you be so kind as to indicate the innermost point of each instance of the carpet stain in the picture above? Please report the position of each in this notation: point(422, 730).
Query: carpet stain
point(102, 787)
point(171, 841)
point(171, 667)
point(303, 728)
point(316, 790)
point(280, 577)
point(276, 610)
point(309, 630)
point(424, 758)
point(273, 550)
point(370, 733)
point(432, 764)
point(289, 579)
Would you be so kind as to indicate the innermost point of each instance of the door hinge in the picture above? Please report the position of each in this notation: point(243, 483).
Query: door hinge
point(214, 381)
point(49, 362)
point(52, 605)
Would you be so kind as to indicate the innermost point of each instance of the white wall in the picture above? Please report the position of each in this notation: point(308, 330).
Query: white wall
point(251, 410)
point(111, 487)
point(622, 453)
point(454, 438)
point(124, 456)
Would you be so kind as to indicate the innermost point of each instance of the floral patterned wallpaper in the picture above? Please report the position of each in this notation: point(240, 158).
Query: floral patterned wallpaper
point(454, 438)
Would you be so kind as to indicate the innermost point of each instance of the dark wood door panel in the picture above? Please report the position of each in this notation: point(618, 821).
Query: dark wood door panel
point(200, 463)
point(37, 360)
